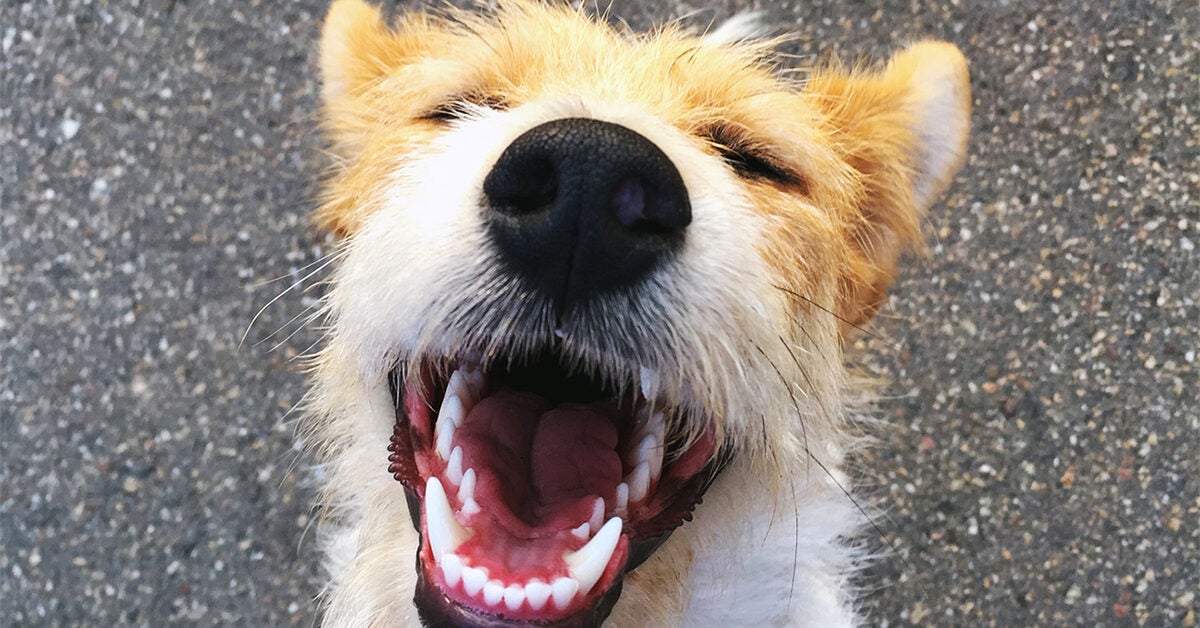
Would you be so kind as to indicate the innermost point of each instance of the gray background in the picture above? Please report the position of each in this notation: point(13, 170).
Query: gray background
point(158, 164)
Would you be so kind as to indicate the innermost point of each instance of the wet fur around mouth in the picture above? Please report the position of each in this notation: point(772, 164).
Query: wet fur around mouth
point(585, 340)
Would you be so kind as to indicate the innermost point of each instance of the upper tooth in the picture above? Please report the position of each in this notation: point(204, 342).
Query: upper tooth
point(639, 482)
point(650, 451)
point(622, 499)
point(473, 579)
point(493, 592)
point(597, 518)
point(656, 425)
point(564, 590)
point(650, 422)
point(452, 568)
point(445, 535)
point(537, 592)
point(459, 387)
point(445, 437)
point(453, 404)
point(587, 564)
point(649, 379)
point(514, 596)
point(454, 471)
point(475, 381)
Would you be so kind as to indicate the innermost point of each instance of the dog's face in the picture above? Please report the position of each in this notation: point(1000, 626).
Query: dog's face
point(582, 274)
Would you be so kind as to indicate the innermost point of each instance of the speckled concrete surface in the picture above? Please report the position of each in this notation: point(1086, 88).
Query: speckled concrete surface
point(157, 165)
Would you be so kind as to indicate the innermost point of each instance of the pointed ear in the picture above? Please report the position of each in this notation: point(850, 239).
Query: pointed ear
point(351, 38)
point(904, 131)
point(358, 51)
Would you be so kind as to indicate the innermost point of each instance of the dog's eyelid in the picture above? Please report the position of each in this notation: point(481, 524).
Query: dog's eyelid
point(457, 106)
point(748, 157)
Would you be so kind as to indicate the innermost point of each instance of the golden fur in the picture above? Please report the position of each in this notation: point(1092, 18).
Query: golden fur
point(867, 152)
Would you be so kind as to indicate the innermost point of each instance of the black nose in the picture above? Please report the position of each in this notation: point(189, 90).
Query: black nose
point(580, 207)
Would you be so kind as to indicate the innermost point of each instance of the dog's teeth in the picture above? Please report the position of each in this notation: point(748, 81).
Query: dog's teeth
point(622, 500)
point(459, 387)
point(588, 562)
point(452, 568)
point(583, 531)
point(649, 379)
point(514, 596)
point(445, 437)
point(454, 405)
point(466, 488)
point(650, 422)
point(537, 592)
point(473, 579)
point(651, 452)
point(445, 535)
point(563, 591)
point(639, 482)
point(656, 425)
point(466, 494)
point(597, 518)
point(475, 382)
point(493, 592)
point(454, 471)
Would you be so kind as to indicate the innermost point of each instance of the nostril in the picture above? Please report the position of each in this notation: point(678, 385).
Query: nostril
point(629, 202)
point(524, 188)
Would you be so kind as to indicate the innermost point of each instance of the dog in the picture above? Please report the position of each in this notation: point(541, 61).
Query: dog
point(584, 350)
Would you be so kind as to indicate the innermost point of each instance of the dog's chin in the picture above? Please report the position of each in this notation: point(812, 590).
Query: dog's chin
point(535, 491)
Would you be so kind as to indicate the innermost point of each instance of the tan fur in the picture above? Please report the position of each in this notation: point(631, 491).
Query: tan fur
point(867, 159)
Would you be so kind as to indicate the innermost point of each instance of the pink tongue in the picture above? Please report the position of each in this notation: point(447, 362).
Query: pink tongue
point(542, 463)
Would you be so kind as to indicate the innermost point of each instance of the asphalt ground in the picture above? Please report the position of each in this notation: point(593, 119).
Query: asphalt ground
point(157, 162)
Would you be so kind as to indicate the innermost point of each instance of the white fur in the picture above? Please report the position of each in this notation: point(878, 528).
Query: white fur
point(718, 333)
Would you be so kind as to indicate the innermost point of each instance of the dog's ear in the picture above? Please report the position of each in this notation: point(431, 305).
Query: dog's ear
point(357, 50)
point(904, 130)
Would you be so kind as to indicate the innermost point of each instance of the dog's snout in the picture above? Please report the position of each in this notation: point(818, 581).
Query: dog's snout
point(580, 207)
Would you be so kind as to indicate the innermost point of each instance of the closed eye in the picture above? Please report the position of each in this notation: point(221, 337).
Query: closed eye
point(460, 105)
point(748, 160)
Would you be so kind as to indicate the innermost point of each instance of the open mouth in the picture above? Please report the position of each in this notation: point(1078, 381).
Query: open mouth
point(534, 490)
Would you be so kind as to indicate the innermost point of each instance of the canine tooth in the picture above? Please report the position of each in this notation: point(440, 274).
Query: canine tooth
point(514, 596)
point(452, 568)
point(583, 531)
point(445, 535)
point(493, 592)
point(537, 592)
point(445, 438)
point(622, 497)
point(454, 471)
point(563, 591)
point(597, 518)
point(473, 579)
point(588, 562)
point(649, 379)
point(639, 482)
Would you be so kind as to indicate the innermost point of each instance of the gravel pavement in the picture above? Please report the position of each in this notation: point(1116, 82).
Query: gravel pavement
point(157, 161)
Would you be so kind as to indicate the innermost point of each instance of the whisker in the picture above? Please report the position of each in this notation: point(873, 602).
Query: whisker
point(837, 316)
point(298, 282)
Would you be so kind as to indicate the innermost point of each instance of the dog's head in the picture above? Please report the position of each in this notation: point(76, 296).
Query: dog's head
point(581, 271)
